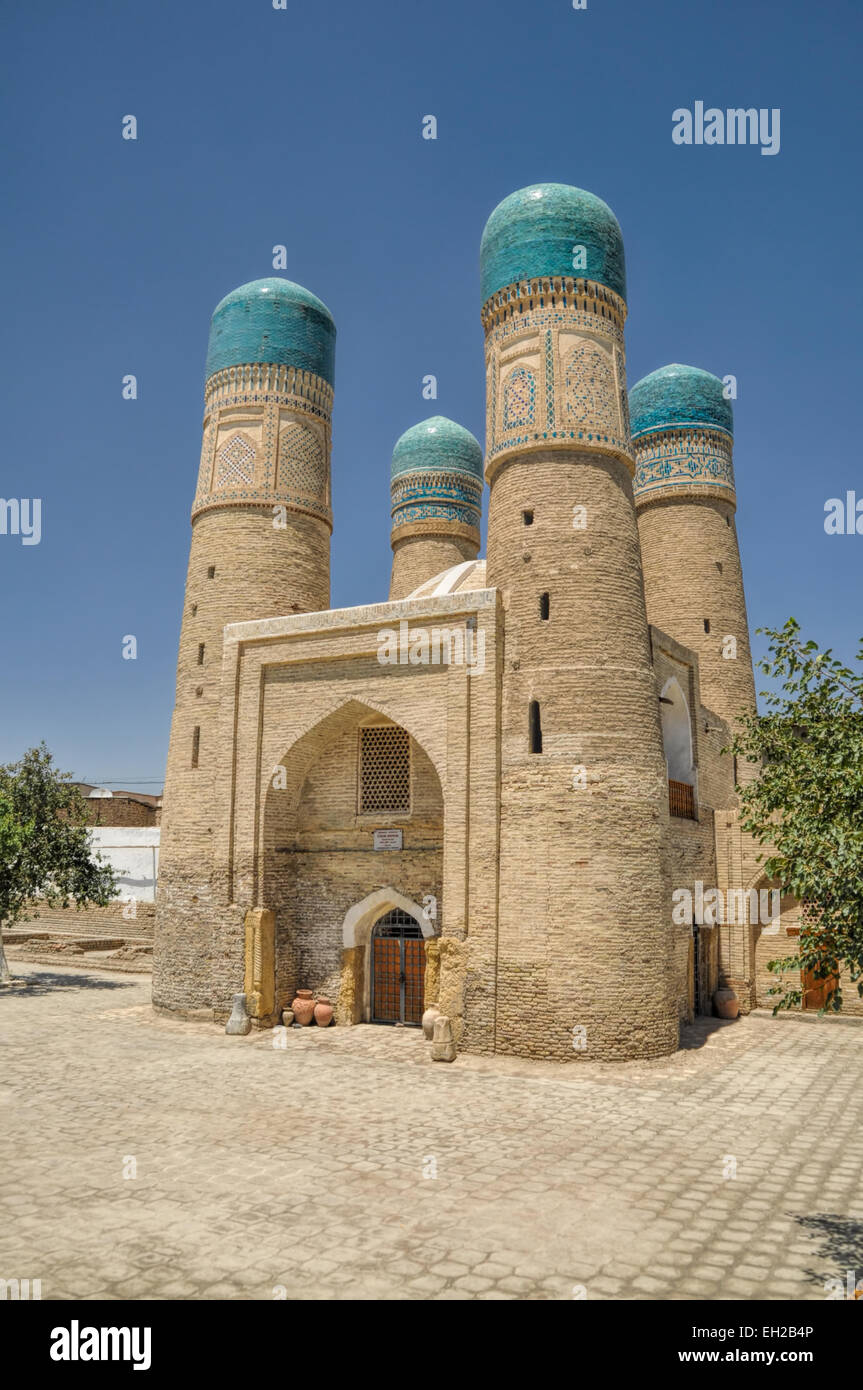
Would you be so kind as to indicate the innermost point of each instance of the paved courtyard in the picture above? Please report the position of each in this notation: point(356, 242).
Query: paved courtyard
point(348, 1165)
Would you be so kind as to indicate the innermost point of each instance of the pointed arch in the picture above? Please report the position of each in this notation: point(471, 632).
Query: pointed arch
point(361, 918)
point(519, 397)
point(306, 747)
point(677, 733)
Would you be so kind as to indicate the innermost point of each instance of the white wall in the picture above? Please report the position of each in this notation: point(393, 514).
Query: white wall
point(677, 733)
point(133, 853)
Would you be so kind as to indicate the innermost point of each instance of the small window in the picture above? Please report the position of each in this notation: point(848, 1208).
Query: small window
point(200, 653)
point(527, 518)
point(534, 727)
point(544, 607)
point(706, 624)
point(196, 744)
point(211, 572)
point(385, 770)
point(194, 609)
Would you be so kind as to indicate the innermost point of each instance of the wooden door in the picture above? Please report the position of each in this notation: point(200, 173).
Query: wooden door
point(397, 969)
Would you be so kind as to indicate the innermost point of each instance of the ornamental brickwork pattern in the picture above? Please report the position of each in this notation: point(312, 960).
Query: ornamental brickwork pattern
point(556, 369)
point(266, 441)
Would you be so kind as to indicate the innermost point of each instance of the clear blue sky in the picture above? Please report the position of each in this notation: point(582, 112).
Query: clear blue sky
point(302, 127)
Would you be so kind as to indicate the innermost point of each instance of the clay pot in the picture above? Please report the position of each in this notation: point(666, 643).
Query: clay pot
point(431, 1013)
point(287, 1017)
point(323, 1012)
point(303, 1007)
point(726, 1003)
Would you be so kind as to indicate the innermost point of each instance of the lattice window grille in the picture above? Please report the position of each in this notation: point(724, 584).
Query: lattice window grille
point(385, 769)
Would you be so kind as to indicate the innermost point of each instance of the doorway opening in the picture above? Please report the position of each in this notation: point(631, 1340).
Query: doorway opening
point(397, 970)
point(699, 1002)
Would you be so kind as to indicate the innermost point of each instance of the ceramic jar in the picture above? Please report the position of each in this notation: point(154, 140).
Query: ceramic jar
point(726, 1003)
point(303, 1007)
point(323, 1012)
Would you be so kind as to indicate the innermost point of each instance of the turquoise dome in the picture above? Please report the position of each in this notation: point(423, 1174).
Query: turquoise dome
point(273, 320)
point(678, 395)
point(437, 445)
point(533, 232)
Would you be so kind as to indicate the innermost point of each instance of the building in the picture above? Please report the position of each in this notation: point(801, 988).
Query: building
point(486, 790)
point(126, 833)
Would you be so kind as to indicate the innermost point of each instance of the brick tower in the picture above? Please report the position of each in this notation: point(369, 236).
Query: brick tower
point(682, 432)
point(436, 489)
point(584, 944)
point(261, 524)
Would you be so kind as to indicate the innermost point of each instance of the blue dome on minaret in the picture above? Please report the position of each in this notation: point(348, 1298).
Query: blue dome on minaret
point(679, 396)
point(437, 445)
point(532, 233)
point(436, 479)
point(275, 321)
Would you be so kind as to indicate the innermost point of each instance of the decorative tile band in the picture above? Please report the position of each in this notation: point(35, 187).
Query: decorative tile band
point(266, 382)
point(586, 296)
point(673, 462)
point(556, 377)
point(446, 497)
point(265, 450)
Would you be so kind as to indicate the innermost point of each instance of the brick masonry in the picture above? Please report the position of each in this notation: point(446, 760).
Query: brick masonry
point(553, 868)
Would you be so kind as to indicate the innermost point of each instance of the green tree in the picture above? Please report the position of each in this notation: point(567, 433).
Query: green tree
point(45, 851)
point(807, 804)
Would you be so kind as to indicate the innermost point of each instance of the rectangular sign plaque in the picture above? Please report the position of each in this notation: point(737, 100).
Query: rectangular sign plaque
point(387, 839)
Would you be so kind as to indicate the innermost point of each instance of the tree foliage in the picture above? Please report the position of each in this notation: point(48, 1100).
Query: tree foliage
point(807, 804)
point(45, 850)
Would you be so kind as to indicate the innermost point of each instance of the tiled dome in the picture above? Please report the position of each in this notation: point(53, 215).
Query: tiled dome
point(276, 321)
point(437, 445)
point(679, 395)
point(532, 233)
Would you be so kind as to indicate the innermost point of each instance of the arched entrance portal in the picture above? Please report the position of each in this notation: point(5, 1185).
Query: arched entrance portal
point(353, 829)
point(397, 969)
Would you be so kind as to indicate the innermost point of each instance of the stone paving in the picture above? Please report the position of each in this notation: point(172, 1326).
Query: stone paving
point(348, 1165)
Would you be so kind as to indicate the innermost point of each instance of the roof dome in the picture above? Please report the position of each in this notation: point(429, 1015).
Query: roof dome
point(273, 320)
point(533, 232)
point(678, 395)
point(458, 579)
point(437, 444)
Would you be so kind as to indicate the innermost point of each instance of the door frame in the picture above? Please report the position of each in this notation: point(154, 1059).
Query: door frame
point(402, 938)
point(357, 937)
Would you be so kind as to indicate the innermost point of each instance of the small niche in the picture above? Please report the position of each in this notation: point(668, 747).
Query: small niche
point(544, 607)
point(527, 518)
point(534, 727)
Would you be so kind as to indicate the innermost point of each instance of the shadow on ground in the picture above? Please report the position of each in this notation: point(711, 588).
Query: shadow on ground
point(840, 1240)
point(702, 1030)
point(46, 981)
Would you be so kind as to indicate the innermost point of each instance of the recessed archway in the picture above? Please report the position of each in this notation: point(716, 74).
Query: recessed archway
point(677, 733)
point(337, 858)
point(357, 931)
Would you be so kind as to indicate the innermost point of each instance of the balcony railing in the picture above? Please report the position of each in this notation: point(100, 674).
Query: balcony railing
point(681, 800)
